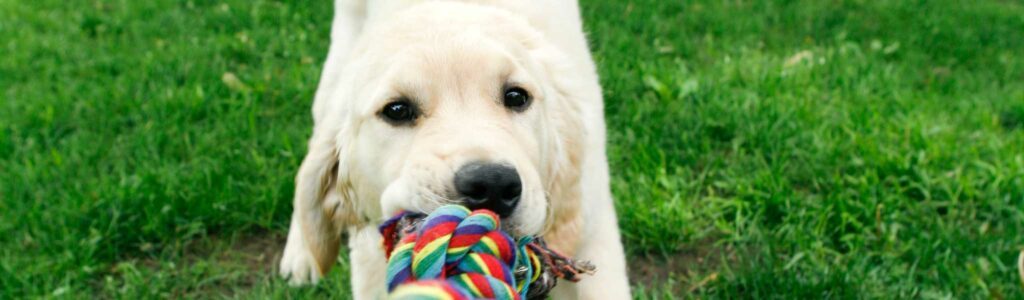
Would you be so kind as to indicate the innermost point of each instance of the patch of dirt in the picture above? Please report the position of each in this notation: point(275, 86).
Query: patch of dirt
point(254, 253)
point(684, 271)
point(258, 252)
point(210, 266)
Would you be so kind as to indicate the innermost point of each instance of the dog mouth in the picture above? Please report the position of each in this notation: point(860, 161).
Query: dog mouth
point(553, 265)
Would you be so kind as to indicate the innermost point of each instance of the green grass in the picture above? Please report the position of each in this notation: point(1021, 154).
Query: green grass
point(762, 149)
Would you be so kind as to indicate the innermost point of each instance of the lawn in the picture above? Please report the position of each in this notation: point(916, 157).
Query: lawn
point(759, 148)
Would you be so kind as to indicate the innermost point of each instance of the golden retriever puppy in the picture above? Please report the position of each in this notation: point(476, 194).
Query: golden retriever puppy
point(488, 104)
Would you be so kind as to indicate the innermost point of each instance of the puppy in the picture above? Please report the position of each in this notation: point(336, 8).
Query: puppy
point(488, 104)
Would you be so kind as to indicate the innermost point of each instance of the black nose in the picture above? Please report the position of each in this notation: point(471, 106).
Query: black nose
point(491, 186)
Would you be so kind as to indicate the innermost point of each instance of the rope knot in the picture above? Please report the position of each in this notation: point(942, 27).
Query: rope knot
point(454, 253)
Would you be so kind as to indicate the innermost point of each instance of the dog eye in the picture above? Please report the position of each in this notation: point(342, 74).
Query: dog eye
point(399, 112)
point(516, 98)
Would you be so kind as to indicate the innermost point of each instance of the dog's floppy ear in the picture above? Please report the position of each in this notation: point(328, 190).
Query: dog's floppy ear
point(564, 143)
point(323, 205)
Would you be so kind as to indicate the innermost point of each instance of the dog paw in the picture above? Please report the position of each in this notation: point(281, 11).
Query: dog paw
point(298, 266)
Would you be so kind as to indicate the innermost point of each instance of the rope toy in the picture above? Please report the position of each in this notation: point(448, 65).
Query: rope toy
point(454, 253)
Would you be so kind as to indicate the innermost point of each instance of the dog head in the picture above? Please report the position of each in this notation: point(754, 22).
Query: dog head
point(450, 103)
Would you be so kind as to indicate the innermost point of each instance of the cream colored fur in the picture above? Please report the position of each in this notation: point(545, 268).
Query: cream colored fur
point(454, 58)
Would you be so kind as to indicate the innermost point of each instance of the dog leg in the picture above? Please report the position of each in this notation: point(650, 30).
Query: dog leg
point(318, 211)
point(298, 264)
point(368, 264)
point(604, 249)
point(601, 243)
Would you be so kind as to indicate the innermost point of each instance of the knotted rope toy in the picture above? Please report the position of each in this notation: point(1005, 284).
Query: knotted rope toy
point(454, 253)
